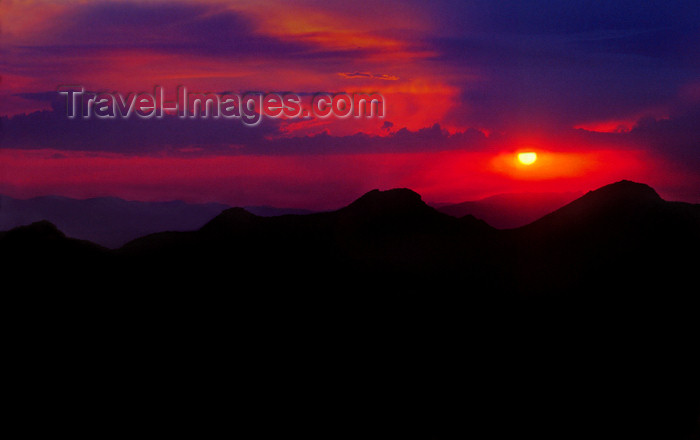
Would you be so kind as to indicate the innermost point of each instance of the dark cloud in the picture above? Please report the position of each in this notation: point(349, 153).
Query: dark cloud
point(367, 75)
point(352, 75)
point(134, 135)
point(53, 129)
point(433, 138)
point(176, 27)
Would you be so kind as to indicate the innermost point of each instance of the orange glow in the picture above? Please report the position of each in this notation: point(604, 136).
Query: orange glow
point(549, 164)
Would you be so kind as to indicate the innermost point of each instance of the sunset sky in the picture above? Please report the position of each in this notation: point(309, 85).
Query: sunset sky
point(600, 90)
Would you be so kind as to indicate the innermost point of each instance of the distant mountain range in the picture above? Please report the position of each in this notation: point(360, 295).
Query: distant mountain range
point(505, 211)
point(112, 222)
point(581, 324)
point(619, 228)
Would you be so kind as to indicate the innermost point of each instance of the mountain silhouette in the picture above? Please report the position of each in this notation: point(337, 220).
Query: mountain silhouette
point(108, 221)
point(42, 240)
point(623, 233)
point(606, 235)
point(111, 221)
point(389, 319)
point(624, 198)
point(393, 233)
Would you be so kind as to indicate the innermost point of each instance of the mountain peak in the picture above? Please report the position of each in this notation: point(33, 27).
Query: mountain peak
point(615, 203)
point(38, 230)
point(397, 199)
point(230, 217)
point(626, 190)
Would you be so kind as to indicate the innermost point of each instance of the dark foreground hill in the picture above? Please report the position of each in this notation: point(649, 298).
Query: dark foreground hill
point(383, 319)
point(620, 239)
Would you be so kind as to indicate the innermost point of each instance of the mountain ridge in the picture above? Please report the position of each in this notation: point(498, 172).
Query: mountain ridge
point(572, 315)
point(113, 221)
point(395, 233)
point(403, 202)
point(401, 213)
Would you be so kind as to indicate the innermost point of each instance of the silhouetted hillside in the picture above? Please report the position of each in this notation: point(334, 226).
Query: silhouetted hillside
point(108, 221)
point(112, 222)
point(392, 233)
point(42, 241)
point(395, 320)
point(605, 238)
point(620, 238)
point(273, 211)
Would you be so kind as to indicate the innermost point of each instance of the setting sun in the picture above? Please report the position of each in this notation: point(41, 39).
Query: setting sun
point(527, 158)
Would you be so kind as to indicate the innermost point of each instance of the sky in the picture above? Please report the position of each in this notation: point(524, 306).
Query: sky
point(600, 90)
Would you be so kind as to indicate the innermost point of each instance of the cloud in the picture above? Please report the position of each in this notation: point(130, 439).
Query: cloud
point(176, 27)
point(518, 67)
point(206, 29)
point(53, 129)
point(367, 75)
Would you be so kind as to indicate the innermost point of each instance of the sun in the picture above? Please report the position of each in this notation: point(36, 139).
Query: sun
point(527, 158)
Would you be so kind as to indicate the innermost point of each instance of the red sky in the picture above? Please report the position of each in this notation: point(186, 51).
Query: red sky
point(601, 92)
